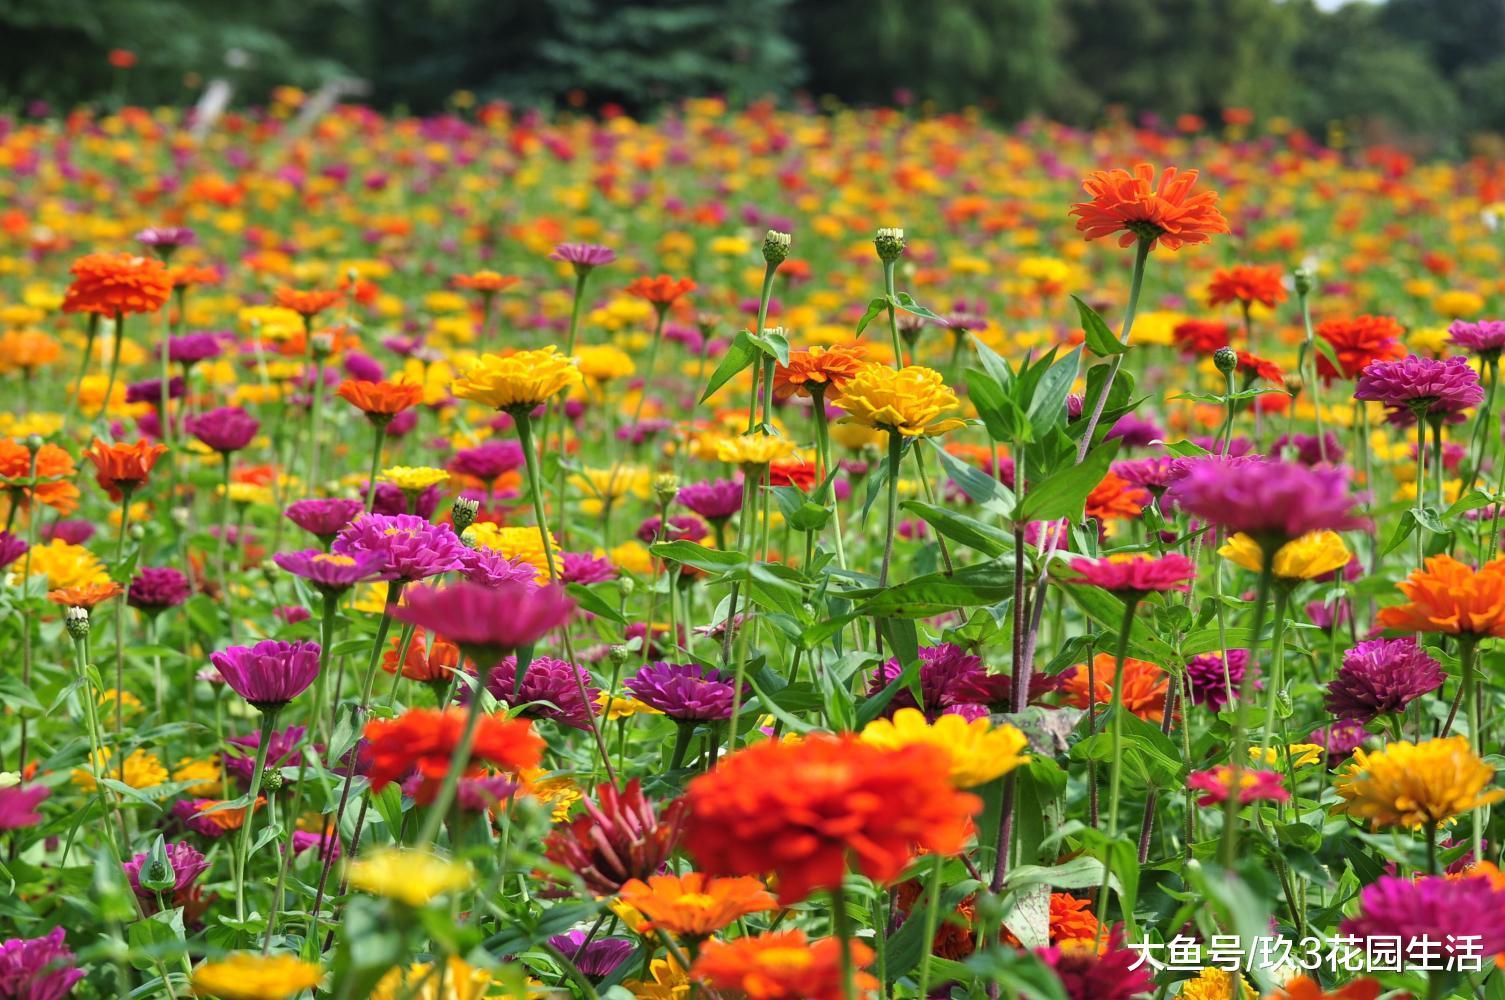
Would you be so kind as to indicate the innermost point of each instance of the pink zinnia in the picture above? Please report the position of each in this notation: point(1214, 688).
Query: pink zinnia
point(1138, 574)
point(1486, 337)
point(1254, 785)
point(1447, 912)
point(18, 806)
point(1270, 500)
point(1413, 386)
point(487, 622)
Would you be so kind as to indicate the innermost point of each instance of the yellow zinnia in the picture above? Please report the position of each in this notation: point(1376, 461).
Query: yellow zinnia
point(410, 877)
point(1304, 558)
point(66, 565)
point(603, 363)
point(413, 479)
point(979, 752)
point(459, 981)
point(753, 449)
point(1415, 784)
point(1301, 754)
point(205, 775)
point(670, 982)
point(909, 400)
point(139, 770)
point(623, 706)
point(518, 543)
point(518, 381)
point(1215, 984)
point(248, 976)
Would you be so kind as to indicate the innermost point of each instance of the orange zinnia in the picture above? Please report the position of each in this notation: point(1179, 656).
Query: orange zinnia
point(1115, 497)
point(693, 904)
point(380, 399)
point(1452, 597)
point(1143, 693)
point(306, 304)
point(24, 350)
point(188, 275)
point(428, 659)
point(112, 284)
point(801, 810)
point(1357, 342)
point(485, 282)
point(816, 370)
point(1305, 988)
point(54, 469)
point(662, 291)
point(1135, 205)
point(424, 740)
point(781, 965)
point(89, 595)
point(1247, 284)
point(121, 468)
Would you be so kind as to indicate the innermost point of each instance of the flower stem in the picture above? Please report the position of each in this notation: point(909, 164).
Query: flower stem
point(842, 926)
point(376, 447)
point(1136, 282)
point(243, 848)
point(893, 317)
point(1116, 720)
point(932, 919)
point(895, 452)
point(1239, 740)
point(1467, 647)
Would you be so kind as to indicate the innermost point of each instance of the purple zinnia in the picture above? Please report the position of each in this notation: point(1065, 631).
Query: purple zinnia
point(1486, 337)
point(37, 968)
point(304, 839)
point(389, 499)
point(1267, 499)
point(488, 460)
point(952, 682)
point(269, 674)
point(492, 569)
point(282, 751)
point(187, 865)
point(1340, 740)
point(191, 348)
point(550, 689)
point(1440, 388)
point(583, 567)
point(324, 518)
point(166, 239)
point(1155, 474)
point(715, 500)
point(583, 256)
point(684, 691)
point(12, 547)
point(18, 805)
point(1135, 431)
point(681, 527)
point(414, 548)
point(226, 429)
point(1310, 450)
point(156, 588)
point(598, 958)
point(1209, 686)
point(150, 390)
point(1382, 677)
point(1445, 911)
point(332, 573)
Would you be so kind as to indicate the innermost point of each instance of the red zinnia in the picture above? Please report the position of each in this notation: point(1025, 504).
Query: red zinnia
point(1247, 284)
point(380, 399)
point(1257, 367)
point(621, 837)
point(662, 291)
point(1200, 336)
point(424, 740)
point(1139, 208)
point(1357, 342)
point(122, 467)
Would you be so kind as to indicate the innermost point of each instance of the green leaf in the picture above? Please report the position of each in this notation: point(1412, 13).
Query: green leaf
point(1046, 406)
point(875, 308)
point(1100, 340)
point(906, 302)
point(589, 600)
point(1473, 500)
point(692, 554)
point(937, 593)
point(742, 353)
point(985, 538)
point(977, 484)
point(1064, 494)
point(1002, 416)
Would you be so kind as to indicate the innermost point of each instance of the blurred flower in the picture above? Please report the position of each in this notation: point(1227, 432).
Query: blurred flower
point(622, 836)
point(250, 976)
point(424, 740)
point(1449, 596)
point(412, 877)
point(1253, 785)
point(1304, 558)
point(40, 968)
point(1382, 677)
point(782, 965)
point(110, 284)
point(693, 904)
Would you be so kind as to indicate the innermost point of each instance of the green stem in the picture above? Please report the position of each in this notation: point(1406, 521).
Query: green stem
point(243, 848)
point(381, 437)
point(1239, 741)
point(1467, 647)
point(895, 453)
point(1136, 282)
point(842, 925)
point(932, 919)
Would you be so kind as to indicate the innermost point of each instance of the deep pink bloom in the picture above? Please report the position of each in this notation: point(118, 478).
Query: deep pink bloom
point(191, 348)
point(488, 460)
point(1115, 973)
point(1441, 389)
point(1382, 677)
point(12, 547)
point(271, 673)
point(226, 429)
point(18, 805)
point(37, 968)
point(187, 865)
point(1267, 499)
point(1154, 474)
point(1448, 912)
point(1138, 574)
point(324, 518)
point(684, 691)
point(714, 500)
point(166, 239)
point(415, 549)
point(584, 567)
point(953, 682)
point(491, 569)
point(332, 573)
point(620, 837)
point(550, 689)
point(1485, 337)
point(584, 256)
point(1209, 686)
point(1340, 740)
point(487, 622)
point(1255, 785)
point(155, 588)
point(1309, 450)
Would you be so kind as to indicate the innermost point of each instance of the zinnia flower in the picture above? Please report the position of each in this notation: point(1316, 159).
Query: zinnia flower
point(1247, 284)
point(1269, 500)
point(1136, 575)
point(412, 877)
point(1461, 919)
point(909, 401)
point(1144, 686)
point(187, 865)
point(693, 904)
point(1416, 784)
point(269, 674)
point(716, 500)
point(1196, 337)
point(583, 256)
point(456, 980)
point(977, 750)
point(781, 965)
point(1449, 596)
point(111, 284)
point(1485, 338)
point(551, 689)
point(306, 303)
point(253, 976)
point(226, 429)
point(332, 573)
point(1305, 988)
point(801, 810)
point(18, 805)
point(1254, 785)
point(1382, 677)
point(44, 476)
point(414, 548)
point(380, 401)
point(1135, 205)
point(662, 291)
point(684, 690)
point(1305, 558)
point(621, 837)
point(1088, 972)
point(487, 622)
point(39, 968)
point(1209, 685)
point(429, 659)
point(1416, 386)
point(122, 468)
point(1357, 343)
point(517, 382)
point(424, 740)
point(323, 517)
point(817, 370)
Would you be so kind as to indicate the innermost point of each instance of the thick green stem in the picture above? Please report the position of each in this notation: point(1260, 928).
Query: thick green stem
point(842, 926)
point(243, 848)
point(376, 447)
point(1239, 741)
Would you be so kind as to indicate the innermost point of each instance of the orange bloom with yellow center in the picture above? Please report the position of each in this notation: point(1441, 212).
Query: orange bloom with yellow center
point(1144, 686)
point(802, 810)
point(782, 965)
point(1115, 497)
point(121, 468)
point(817, 370)
point(112, 284)
point(380, 399)
point(485, 282)
point(694, 904)
point(1135, 205)
point(49, 485)
point(1357, 342)
point(306, 303)
point(1247, 284)
point(88, 595)
point(662, 291)
point(1452, 597)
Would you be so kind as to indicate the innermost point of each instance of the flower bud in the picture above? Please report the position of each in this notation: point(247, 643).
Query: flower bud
point(157, 873)
point(76, 620)
point(890, 244)
point(776, 246)
point(1303, 280)
point(271, 779)
point(1226, 358)
point(619, 654)
point(463, 513)
point(33, 442)
point(666, 488)
point(321, 344)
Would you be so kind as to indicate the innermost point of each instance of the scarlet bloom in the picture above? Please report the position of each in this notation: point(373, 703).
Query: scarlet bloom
point(306, 304)
point(1246, 284)
point(423, 740)
point(1452, 597)
point(121, 468)
point(693, 904)
point(429, 658)
point(1254, 785)
point(1305, 988)
point(88, 595)
point(1144, 686)
point(47, 483)
point(485, 282)
point(380, 401)
point(1200, 336)
point(121, 58)
point(800, 810)
point(621, 837)
point(662, 291)
point(817, 370)
point(781, 965)
point(112, 284)
point(1115, 497)
point(1357, 342)
point(1256, 367)
point(1168, 212)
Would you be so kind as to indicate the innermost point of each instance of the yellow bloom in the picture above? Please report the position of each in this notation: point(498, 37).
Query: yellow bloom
point(560, 793)
point(670, 982)
point(519, 543)
point(979, 752)
point(1301, 754)
point(66, 565)
point(247, 493)
point(632, 557)
point(753, 449)
point(623, 706)
point(603, 363)
point(205, 775)
point(129, 703)
point(413, 478)
point(1215, 984)
point(1304, 558)
point(248, 976)
point(517, 381)
point(410, 877)
point(1458, 303)
point(1412, 784)
point(910, 400)
point(460, 979)
point(140, 770)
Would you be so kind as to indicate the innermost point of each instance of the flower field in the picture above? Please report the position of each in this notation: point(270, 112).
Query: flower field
point(751, 553)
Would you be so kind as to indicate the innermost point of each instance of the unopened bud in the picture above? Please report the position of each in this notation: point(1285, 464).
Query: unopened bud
point(1226, 358)
point(321, 344)
point(271, 779)
point(666, 488)
point(76, 620)
point(34, 441)
point(890, 244)
point(463, 513)
point(1303, 279)
point(157, 873)
point(776, 246)
point(137, 532)
point(180, 516)
point(619, 654)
